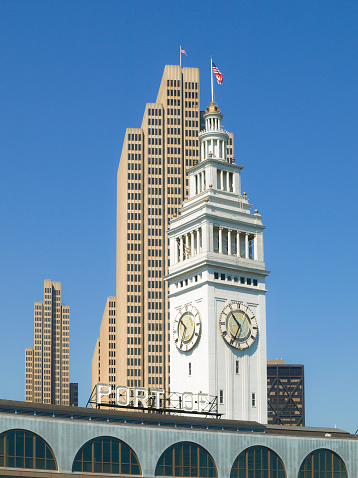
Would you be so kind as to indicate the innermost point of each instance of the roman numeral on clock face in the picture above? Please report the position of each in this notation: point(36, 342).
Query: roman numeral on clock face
point(186, 328)
point(238, 325)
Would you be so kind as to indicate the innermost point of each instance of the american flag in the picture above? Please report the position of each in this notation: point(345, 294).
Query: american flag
point(182, 50)
point(218, 74)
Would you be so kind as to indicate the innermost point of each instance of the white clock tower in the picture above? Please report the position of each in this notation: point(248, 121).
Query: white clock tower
point(217, 286)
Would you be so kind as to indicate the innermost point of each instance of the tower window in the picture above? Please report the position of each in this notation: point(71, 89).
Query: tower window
point(189, 369)
point(216, 275)
point(253, 399)
point(222, 276)
point(221, 397)
point(237, 367)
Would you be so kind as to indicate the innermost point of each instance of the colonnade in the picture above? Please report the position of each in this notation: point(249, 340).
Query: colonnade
point(215, 147)
point(213, 124)
point(200, 182)
point(234, 242)
point(188, 245)
point(225, 180)
point(227, 241)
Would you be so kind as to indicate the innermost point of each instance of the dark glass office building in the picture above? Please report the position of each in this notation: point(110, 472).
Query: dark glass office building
point(285, 393)
point(74, 394)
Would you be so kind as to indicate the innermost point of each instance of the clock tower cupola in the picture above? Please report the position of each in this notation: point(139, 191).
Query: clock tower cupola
point(217, 285)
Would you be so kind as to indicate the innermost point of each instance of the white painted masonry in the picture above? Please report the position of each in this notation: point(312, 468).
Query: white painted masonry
point(216, 250)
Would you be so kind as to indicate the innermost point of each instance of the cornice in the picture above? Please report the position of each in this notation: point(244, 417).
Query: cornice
point(217, 162)
point(232, 264)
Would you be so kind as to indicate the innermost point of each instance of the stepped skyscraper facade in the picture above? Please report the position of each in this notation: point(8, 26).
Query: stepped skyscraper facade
point(152, 182)
point(47, 364)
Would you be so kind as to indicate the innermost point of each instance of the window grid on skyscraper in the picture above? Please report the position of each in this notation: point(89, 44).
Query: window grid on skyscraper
point(47, 364)
point(151, 185)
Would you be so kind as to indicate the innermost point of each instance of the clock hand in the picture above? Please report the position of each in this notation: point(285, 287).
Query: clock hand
point(238, 325)
point(182, 323)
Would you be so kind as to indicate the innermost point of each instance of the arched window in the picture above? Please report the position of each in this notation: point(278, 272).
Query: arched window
point(185, 459)
point(322, 462)
point(24, 449)
point(106, 455)
point(257, 462)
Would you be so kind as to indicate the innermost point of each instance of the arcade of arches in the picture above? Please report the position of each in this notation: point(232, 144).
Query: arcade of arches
point(107, 455)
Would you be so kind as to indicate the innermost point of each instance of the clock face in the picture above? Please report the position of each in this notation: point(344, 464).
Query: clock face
point(238, 325)
point(187, 326)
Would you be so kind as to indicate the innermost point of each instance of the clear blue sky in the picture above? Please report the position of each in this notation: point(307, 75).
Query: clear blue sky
point(74, 75)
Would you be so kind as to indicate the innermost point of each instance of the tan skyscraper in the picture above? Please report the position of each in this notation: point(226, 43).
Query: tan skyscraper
point(47, 365)
point(104, 356)
point(152, 183)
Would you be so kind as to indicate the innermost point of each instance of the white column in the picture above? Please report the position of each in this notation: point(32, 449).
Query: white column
point(220, 240)
point(246, 245)
point(222, 179)
point(192, 250)
point(181, 255)
point(255, 247)
point(238, 243)
point(186, 244)
point(198, 240)
point(176, 251)
point(229, 242)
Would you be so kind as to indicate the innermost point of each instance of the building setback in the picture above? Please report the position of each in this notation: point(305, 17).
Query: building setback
point(152, 182)
point(104, 356)
point(47, 365)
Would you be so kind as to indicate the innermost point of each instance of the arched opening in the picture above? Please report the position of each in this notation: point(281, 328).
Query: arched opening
point(186, 459)
point(322, 462)
point(258, 462)
point(106, 455)
point(24, 449)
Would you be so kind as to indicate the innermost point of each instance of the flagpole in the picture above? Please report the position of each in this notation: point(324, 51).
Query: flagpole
point(212, 83)
point(180, 55)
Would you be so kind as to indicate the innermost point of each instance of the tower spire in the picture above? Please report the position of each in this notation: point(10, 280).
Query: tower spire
point(211, 74)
